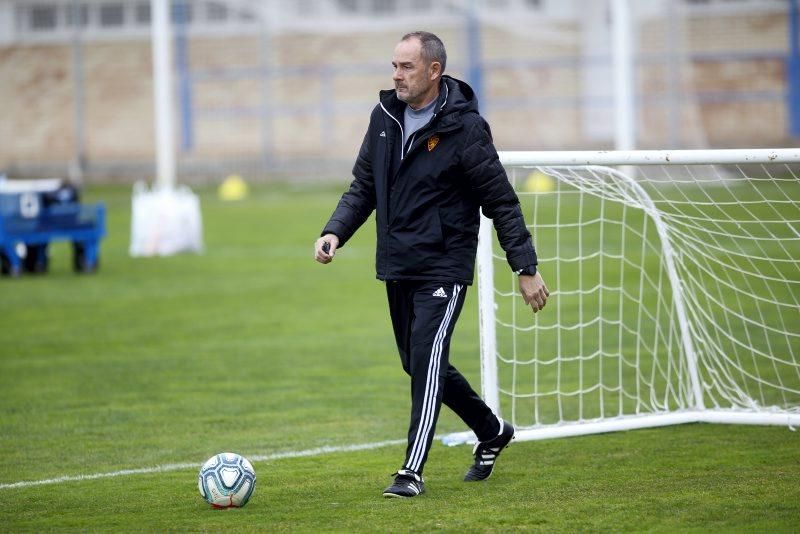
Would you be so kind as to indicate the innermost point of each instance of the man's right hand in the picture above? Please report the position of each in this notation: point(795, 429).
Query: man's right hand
point(320, 253)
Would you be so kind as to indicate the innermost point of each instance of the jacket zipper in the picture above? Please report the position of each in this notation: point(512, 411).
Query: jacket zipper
point(398, 124)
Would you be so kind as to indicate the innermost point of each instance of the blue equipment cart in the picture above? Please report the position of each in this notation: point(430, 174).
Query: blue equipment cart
point(35, 212)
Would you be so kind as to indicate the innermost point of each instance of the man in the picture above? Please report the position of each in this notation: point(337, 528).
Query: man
point(426, 166)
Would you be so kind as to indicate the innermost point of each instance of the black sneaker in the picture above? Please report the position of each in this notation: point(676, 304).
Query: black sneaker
point(486, 452)
point(406, 484)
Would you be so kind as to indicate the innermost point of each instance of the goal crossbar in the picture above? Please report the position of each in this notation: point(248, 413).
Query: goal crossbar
point(651, 157)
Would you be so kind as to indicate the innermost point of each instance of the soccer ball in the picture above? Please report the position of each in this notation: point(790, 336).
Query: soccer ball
point(227, 480)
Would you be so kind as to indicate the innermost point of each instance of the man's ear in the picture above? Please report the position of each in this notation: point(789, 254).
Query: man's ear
point(435, 70)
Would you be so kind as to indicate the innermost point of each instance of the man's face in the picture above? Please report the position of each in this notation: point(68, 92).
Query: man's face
point(414, 79)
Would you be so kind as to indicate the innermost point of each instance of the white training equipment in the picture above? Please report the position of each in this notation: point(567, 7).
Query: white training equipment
point(165, 221)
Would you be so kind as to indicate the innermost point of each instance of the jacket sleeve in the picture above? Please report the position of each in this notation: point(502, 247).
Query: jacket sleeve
point(496, 196)
point(356, 203)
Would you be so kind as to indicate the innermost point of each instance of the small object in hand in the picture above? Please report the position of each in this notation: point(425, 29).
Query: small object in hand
point(326, 247)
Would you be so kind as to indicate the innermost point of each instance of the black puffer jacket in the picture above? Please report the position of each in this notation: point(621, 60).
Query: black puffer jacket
point(427, 196)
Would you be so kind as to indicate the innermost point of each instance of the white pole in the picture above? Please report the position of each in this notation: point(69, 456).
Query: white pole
point(162, 94)
point(624, 95)
point(488, 336)
point(78, 165)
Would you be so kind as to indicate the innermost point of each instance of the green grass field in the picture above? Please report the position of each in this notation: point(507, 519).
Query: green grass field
point(254, 347)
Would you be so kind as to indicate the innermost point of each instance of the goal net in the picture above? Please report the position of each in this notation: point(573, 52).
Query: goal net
point(675, 292)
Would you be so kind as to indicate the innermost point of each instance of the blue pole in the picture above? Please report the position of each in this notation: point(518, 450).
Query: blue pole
point(475, 66)
point(184, 76)
point(793, 69)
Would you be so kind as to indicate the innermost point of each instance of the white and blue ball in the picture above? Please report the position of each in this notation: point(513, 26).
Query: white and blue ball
point(227, 480)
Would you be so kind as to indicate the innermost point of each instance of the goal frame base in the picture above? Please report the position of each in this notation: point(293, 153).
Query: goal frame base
point(635, 422)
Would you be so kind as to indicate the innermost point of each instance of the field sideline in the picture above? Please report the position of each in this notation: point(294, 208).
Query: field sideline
point(255, 348)
point(192, 465)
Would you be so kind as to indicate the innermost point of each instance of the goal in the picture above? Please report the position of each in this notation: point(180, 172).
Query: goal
point(674, 282)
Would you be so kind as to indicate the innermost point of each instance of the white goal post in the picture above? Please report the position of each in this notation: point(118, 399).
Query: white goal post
point(675, 292)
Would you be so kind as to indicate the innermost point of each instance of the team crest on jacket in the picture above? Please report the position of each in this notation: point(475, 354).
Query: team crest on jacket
point(432, 142)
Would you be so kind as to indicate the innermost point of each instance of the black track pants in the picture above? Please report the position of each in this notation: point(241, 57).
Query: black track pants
point(424, 315)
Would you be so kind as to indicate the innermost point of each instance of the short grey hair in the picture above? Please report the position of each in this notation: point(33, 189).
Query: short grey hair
point(432, 47)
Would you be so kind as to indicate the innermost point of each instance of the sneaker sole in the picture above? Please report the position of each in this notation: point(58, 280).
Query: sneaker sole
point(477, 479)
point(396, 496)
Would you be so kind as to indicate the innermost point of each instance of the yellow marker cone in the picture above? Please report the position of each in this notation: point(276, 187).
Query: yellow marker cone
point(539, 182)
point(233, 188)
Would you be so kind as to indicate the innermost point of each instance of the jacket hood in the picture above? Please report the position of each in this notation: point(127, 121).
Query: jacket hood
point(455, 97)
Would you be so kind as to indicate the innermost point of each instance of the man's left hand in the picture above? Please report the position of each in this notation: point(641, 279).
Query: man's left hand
point(533, 291)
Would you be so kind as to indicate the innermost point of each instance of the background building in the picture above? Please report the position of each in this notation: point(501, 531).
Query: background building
point(284, 88)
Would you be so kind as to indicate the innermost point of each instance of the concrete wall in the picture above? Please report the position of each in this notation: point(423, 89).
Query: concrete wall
point(301, 101)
